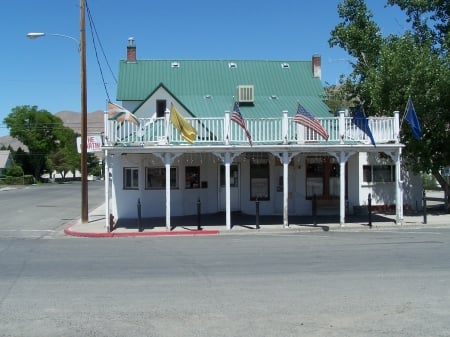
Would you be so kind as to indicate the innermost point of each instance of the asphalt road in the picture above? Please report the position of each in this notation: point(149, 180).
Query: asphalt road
point(365, 283)
point(38, 211)
point(333, 284)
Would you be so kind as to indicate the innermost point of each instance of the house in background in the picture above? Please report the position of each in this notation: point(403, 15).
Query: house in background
point(6, 161)
point(284, 166)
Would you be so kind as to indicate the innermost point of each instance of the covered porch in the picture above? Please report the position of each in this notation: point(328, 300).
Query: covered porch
point(281, 138)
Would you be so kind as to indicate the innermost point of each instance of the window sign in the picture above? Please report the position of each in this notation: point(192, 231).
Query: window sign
point(192, 177)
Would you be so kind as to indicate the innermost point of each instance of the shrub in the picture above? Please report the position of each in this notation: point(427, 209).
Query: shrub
point(14, 171)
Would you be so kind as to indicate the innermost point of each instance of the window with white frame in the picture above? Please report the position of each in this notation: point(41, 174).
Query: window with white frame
point(378, 173)
point(322, 177)
point(156, 178)
point(130, 178)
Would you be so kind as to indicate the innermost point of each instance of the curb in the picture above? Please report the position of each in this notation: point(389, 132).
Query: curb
point(68, 230)
point(195, 232)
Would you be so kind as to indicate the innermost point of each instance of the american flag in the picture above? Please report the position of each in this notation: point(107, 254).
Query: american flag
point(236, 116)
point(305, 118)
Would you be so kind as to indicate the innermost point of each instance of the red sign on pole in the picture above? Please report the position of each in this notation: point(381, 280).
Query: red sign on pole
point(93, 144)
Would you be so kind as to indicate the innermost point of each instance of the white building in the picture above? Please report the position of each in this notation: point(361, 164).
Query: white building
point(286, 166)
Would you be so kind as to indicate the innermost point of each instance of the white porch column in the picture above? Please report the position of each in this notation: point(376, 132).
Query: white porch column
point(300, 134)
point(167, 162)
point(106, 161)
point(285, 127)
point(342, 161)
point(286, 161)
point(167, 124)
point(397, 127)
point(398, 176)
point(342, 157)
point(398, 188)
point(342, 126)
point(226, 128)
point(227, 161)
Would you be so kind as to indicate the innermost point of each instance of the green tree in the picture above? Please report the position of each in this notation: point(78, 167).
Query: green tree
point(93, 164)
point(36, 129)
point(389, 70)
point(361, 38)
point(23, 159)
point(65, 157)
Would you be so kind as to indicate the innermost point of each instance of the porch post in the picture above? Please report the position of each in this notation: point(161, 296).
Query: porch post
point(398, 177)
point(398, 189)
point(167, 124)
point(342, 126)
point(227, 190)
point(167, 160)
point(342, 161)
point(226, 128)
point(397, 127)
point(106, 177)
point(286, 160)
point(285, 127)
point(300, 134)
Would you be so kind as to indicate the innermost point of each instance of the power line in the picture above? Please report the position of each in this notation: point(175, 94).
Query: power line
point(94, 31)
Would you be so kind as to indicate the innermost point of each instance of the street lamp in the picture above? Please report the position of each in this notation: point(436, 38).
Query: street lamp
point(82, 51)
point(35, 35)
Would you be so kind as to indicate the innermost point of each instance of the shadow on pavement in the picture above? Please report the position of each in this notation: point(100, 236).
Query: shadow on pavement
point(248, 221)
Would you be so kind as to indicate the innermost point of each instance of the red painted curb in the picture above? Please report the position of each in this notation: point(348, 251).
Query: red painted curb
point(68, 230)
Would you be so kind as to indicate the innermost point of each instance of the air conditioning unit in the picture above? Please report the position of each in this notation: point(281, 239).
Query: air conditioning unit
point(246, 93)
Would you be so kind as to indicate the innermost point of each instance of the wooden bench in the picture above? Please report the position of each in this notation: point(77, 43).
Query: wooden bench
point(325, 206)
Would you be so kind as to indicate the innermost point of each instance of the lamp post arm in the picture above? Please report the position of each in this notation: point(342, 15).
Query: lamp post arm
point(33, 36)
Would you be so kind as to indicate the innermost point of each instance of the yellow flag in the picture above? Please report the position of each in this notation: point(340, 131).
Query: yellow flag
point(187, 130)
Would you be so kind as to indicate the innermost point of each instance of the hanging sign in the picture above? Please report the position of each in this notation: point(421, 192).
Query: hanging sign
point(93, 143)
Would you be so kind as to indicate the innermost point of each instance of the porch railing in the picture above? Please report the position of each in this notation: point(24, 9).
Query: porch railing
point(264, 131)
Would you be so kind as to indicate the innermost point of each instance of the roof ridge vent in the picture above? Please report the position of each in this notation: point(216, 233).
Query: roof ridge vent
point(175, 65)
point(232, 65)
point(285, 65)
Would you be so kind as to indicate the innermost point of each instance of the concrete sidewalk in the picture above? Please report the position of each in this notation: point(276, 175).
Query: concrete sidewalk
point(214, 224)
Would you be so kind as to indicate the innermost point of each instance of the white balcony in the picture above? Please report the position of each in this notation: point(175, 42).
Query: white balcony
point(264, 131)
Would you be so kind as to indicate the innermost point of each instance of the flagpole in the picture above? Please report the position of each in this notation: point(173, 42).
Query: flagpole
point(404, 113)
point(229, 124)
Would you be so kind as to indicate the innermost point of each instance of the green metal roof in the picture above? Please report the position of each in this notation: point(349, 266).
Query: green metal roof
point(207, 87)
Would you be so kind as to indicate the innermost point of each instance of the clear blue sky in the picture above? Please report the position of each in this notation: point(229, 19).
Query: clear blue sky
point(46, 72)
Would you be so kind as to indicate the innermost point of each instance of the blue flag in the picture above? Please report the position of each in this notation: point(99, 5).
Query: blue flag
point(411, 118)
point(361, 121)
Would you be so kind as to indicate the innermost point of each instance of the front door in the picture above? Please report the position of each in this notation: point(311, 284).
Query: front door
point(235, 200)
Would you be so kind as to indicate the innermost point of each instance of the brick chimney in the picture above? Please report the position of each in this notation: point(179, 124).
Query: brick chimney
point(131, 50)
point(316, 66)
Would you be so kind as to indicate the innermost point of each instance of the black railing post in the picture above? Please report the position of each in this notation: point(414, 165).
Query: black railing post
point(369, 209)
point(199, 215)
point(257, 213)
point(140, 226)
point(424, 207)
point(314, 210)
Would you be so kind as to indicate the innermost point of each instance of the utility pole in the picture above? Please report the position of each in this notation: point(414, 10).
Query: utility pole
point(83, 166)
